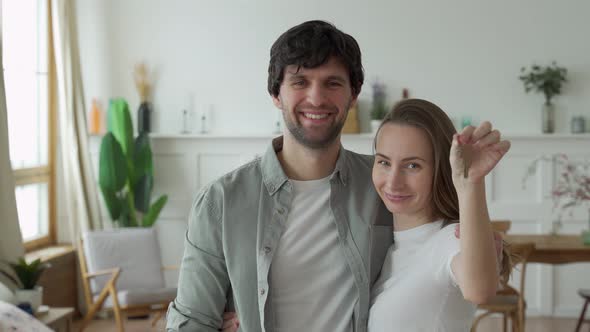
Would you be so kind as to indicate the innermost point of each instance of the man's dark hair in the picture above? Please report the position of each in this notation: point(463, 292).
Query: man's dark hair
point(309, 45)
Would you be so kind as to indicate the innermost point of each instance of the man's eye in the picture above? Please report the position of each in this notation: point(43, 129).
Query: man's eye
point(298, 83)
point(334, 84)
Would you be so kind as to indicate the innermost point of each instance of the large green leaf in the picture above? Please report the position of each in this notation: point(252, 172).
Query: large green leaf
point(144, 173)
point(143, 190)
point(150, 218)
point(127, 217)
point(131, 208)
point(124, 220)
point(112, 172)
point(142, 157)
point(119, 123)
point(113, 203)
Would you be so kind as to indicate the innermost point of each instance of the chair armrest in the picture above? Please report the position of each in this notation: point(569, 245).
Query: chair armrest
point(116, 271)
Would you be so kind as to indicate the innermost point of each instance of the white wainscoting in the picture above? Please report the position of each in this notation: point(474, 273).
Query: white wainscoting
point(184, 163)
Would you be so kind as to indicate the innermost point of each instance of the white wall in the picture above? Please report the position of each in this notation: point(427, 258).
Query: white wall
point(463, 55)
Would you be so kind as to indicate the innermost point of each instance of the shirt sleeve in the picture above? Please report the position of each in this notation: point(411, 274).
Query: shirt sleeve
point(203, 284)
point(448, 247)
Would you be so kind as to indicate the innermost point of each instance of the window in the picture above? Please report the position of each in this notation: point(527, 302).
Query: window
point(31, 123)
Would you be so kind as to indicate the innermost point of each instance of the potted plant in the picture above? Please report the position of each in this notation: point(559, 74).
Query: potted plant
point(378, 109)
point(27, 276)
point(547, 80)
point(126, 171)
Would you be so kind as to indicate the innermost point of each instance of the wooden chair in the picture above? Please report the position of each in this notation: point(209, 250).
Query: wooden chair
point(585, 293)
point(501, 226)
point(122, 272)
point(508, 301)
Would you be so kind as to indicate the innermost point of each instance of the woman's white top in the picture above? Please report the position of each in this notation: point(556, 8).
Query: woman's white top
point(417, 290)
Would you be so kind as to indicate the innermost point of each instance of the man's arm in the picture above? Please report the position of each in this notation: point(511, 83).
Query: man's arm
point(203, 283)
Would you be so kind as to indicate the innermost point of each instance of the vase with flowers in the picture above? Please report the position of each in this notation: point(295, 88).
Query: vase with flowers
point(378, 108)
point(571, 188)
point(143, 84)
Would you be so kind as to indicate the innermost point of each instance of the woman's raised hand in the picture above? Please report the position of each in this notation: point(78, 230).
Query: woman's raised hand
point(475, 152)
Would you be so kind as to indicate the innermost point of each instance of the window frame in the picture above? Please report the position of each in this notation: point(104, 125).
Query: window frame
point(45, 173)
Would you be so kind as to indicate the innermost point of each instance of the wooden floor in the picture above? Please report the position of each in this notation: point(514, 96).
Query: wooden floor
point(492, 324)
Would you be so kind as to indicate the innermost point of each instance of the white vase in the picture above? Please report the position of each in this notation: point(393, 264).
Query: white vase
point(375, 125)
point(32, 296)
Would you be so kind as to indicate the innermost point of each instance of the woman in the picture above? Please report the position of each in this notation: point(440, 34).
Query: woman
point(431, 280)
point(429, 177)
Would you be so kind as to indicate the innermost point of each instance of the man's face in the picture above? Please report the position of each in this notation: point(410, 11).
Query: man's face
point(315, 102)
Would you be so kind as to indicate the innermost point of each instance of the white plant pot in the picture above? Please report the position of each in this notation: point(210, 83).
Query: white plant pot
point(32, 296)
point(375, 125)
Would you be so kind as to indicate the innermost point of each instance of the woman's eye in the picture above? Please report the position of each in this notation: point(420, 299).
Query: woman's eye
point(383, 162)
point(413, 166)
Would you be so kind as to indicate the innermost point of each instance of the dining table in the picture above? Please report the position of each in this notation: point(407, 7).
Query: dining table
point(554, 249)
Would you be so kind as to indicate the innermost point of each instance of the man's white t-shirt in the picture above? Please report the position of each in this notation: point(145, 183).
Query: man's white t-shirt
point(312, 287)
point(416, 290)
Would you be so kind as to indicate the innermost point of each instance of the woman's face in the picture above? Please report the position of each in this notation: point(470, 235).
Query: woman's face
point(403, 170)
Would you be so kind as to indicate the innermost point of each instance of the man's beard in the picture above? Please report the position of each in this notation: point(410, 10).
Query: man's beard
point(299, 132)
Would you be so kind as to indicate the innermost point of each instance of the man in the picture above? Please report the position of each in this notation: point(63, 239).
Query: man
point(297, 236)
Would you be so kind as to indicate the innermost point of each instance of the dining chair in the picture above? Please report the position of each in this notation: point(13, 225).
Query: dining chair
point(509, 301)
point(122, 272)
point(501, 226)
point(584, 293)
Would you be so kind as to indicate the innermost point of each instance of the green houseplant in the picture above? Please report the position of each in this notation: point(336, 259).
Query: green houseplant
point(126, 171)
point(27, 276)
point(548, 81)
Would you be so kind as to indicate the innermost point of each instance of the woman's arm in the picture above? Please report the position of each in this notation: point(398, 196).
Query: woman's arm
point(474, 154)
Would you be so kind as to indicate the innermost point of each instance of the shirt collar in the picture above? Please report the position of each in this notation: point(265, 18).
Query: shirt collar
point(274, 177)
point(272, 171)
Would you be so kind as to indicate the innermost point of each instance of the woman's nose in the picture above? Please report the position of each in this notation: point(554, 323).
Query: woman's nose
point(396, 179)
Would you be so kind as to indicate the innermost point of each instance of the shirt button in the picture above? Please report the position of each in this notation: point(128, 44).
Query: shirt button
point(262, 291)
point(281, 210)
point(266, 250)
point(271, 187)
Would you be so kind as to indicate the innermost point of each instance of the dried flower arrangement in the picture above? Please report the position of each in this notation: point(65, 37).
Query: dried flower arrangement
point(142, 81)
point(144, 85)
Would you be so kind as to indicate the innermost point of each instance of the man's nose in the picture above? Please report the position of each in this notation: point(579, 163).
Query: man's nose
point(316, 95)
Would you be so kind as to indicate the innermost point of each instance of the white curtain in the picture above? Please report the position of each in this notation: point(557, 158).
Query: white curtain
point(11, 245)
point(81, 195)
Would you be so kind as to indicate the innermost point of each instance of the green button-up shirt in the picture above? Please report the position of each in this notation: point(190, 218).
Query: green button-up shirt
point(236, 223)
